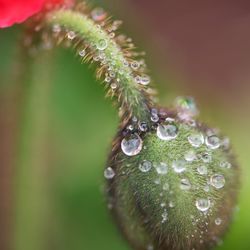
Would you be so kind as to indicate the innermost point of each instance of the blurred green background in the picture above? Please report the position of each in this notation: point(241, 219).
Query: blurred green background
point(56, 128)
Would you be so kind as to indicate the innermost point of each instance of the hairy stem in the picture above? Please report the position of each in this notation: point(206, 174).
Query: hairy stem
point(132, 96)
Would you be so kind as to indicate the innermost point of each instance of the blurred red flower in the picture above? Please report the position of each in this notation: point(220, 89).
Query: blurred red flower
point(17, 11)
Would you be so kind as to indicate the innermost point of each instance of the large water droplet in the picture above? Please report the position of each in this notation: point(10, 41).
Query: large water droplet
point(203, 204)
point(145, 166)
point(179, 166)
point(217, 180)
point(131, 145)
point(161, 168)
point(167, 131)
point(212, 142)
point(102, 44)
point(109, 173)
point(196, 139)
point(185, 184)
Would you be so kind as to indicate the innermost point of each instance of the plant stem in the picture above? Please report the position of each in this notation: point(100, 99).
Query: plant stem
point(131, 96)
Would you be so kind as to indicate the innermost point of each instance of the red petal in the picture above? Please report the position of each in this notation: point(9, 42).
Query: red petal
point(17, 11)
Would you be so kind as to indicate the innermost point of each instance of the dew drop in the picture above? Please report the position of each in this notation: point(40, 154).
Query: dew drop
point(164, 216)
point(185, 184)
point(145, 166)
point(71, 35)
point(186, 106)
point(167, 132)
point(161, 168)
point(179, 166)
point(82, 53)
point(212, 142)
point(143, 126)
point(218, 181)
point(113, 86)
point(135, 65)
point(131, 145)
point(109, 173)
point(145, 80)
point(203, 204)
point(190, 156)
point(202, 170)
point(102, 44)
point(171, 204)
point(98, 14)
point(225, 164)
point(218, 221)
point(196, 139)
point(206, 157)
point(165, 186)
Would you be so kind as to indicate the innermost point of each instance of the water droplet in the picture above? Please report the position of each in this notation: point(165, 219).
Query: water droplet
point(187, 107)
point(135, 65)
point(145, 166)
point(206, 157)
point(154, 118)
point(217, 180)
point(212, 142)
point(71, 35)
point(98, 14)
point(102, 44)
point(202, 170)
point(225, 164)
point(185, 184)
point(203, 204)
point(167, 132)
point(82, 53)
point(131, 145)
point(179, 166)
point(190, 156)
point(143, 126)
point(170, 120)
point(109, 173)
point(161, 168)
point(145, 80)
point(218, 221)
point(113, 86)
point(196, 139)
point(206, 188)
point(157, 181)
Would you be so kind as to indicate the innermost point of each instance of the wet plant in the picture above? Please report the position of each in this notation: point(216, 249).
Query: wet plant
point(171, 181)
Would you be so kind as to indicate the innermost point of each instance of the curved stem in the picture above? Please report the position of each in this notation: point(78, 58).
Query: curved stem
point(115, 66)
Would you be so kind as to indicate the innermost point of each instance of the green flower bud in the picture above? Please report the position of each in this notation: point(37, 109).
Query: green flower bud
point(173, 185)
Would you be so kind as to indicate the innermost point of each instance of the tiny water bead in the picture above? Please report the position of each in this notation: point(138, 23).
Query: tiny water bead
point(144, 80)
point(71, 35)
point(225, 164)
point(203, 204)
point(109, 173)
point(206, 157)
point(179, 166)
point(185, 184)
point(131, 145)
point(161, 168)
point(196, 139)
point(218, 181)
point(167, 132)
point(82, 53)
point(145, 166)
point(213, 142)
point(218, 221)
point(102, 44)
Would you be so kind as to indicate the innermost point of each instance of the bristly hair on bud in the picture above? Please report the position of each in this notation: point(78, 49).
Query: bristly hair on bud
point(172, 182)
